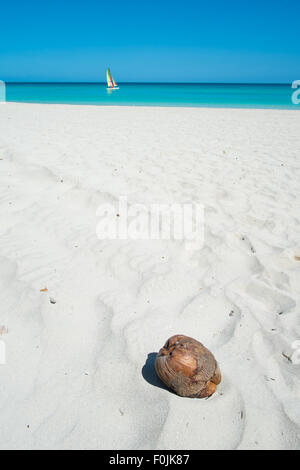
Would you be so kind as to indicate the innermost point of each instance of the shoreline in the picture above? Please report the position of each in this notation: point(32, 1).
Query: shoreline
point(296, 107)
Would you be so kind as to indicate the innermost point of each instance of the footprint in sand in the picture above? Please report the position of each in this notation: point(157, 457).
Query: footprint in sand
point(272, 301)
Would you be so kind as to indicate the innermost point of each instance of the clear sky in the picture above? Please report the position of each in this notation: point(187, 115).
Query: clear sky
point(150, 40)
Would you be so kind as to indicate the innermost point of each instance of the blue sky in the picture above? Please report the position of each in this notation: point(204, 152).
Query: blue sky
point(157, 40)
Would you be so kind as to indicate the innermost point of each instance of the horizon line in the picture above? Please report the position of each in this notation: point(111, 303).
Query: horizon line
point(143, 83)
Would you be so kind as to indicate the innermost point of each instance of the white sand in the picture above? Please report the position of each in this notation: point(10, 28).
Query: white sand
point(73, 376)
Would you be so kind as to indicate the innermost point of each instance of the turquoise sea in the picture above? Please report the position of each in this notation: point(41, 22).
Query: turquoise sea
point(155, 94)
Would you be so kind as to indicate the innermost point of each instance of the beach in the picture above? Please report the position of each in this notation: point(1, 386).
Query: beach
point(81, 318)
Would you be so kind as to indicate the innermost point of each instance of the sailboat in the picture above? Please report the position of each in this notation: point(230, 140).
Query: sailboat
point(111, 84)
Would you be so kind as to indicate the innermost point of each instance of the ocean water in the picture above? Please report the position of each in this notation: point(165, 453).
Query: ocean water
point(155, 94)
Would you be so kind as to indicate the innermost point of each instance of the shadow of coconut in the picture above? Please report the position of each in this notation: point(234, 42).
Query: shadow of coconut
point(149, 373)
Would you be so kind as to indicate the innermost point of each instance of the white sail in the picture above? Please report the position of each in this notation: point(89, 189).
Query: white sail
point(109, 79)
point(111, 83)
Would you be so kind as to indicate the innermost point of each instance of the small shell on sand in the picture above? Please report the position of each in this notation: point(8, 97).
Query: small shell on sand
point(187, 367)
